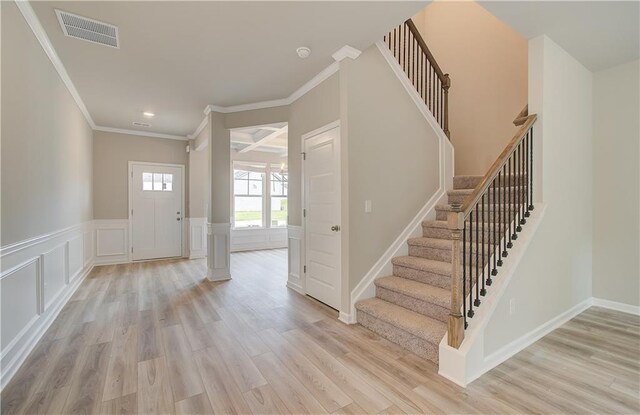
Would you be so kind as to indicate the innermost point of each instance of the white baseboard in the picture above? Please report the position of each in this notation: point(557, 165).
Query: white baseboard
point(295, 287)
point(507, 351)
point(614, 305)
point(347, 318)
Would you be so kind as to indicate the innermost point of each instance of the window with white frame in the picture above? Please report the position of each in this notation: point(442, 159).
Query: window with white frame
point(278, 187)
point(260, 196)
point(248, 201)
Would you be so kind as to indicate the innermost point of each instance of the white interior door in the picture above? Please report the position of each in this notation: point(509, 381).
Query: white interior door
point(322, 222)
point(156, 210)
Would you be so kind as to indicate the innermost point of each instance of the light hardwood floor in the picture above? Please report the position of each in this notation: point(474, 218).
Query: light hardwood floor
point(157, 337)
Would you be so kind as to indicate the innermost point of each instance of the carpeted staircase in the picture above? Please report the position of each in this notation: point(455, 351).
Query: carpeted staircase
point(411, 306)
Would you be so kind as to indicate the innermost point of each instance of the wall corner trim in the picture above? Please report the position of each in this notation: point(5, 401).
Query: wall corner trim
point(346, 52)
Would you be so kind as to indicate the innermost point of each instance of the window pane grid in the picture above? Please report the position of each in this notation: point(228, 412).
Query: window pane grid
point(159, 182)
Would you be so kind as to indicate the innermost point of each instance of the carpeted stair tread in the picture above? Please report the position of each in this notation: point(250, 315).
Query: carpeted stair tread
point(449, 208)
point(442, 224)
point(423, 292)
point(438, 243)
point(414, 323)
point(426, 242)
point(466, 181)
point(423, 264)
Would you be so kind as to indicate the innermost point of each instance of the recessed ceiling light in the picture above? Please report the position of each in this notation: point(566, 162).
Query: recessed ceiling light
point(303, 52)
point(148, 114)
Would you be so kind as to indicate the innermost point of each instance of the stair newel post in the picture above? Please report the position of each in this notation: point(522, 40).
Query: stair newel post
point(445, 86)
point(456, 327)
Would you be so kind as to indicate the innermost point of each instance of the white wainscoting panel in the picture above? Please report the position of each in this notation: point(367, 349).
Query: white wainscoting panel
point(23, 308)
point(112, 241)
point(263, 238)
point(76, 257)
point(295, 279)
point(197, 237)
point(54, 274)
point(38, 276)
point(219, 255)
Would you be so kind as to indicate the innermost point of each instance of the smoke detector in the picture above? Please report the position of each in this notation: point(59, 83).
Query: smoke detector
point(88, 30)
point(141, 124)
point(303, 52)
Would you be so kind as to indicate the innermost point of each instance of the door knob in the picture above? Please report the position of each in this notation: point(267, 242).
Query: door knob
point(178, 219)
point(335, 228)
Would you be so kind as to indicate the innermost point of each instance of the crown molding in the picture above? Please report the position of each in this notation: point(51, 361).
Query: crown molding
point(141, 133)
point(40, 34)
point(344, 52)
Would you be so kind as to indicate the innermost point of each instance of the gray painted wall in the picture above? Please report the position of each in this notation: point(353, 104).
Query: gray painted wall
point(111, 155)
point(616, 184)
point(555, 272)
point(393, 159)
point(46, 141)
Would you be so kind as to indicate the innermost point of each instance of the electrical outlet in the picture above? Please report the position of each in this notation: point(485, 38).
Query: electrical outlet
point(512, 306)
point(367, 206)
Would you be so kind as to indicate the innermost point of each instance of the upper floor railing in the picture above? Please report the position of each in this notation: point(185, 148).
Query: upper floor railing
point(486, 224)
point(423, 71)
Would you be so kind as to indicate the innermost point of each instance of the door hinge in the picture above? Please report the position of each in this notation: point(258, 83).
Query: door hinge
point(304, 269)
point(304, 213)
point(131, 212)
point(304, 155)
point(132, 250)
point(132, 174)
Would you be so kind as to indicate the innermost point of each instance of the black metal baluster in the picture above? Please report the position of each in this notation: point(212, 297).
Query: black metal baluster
point(477, 301)
point(512, 199)
point(483, 291)
point(531, 168)
point(470, 313)
point(398, 42)
point(523, 203)
point(405, 43)
point(496, 240)
point(526, 179)
point(518, 188)
point(464, 274)
point(508, 196)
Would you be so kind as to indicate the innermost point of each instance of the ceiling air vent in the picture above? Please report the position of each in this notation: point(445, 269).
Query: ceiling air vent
point(141, 124)
point(88, 29)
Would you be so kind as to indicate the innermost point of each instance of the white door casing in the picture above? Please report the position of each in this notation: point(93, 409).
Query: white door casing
point(156, 210)
point(322, 202)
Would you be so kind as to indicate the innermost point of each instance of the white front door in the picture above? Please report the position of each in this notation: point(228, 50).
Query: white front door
point(156, 210)
point(322, 222)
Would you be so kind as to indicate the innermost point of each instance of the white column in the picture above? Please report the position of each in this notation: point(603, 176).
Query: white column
point(219, 218)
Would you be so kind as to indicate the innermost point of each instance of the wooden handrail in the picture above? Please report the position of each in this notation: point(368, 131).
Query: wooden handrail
point(418, 63)
point(481, 188)
point(521, 118)
point(416, 33)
